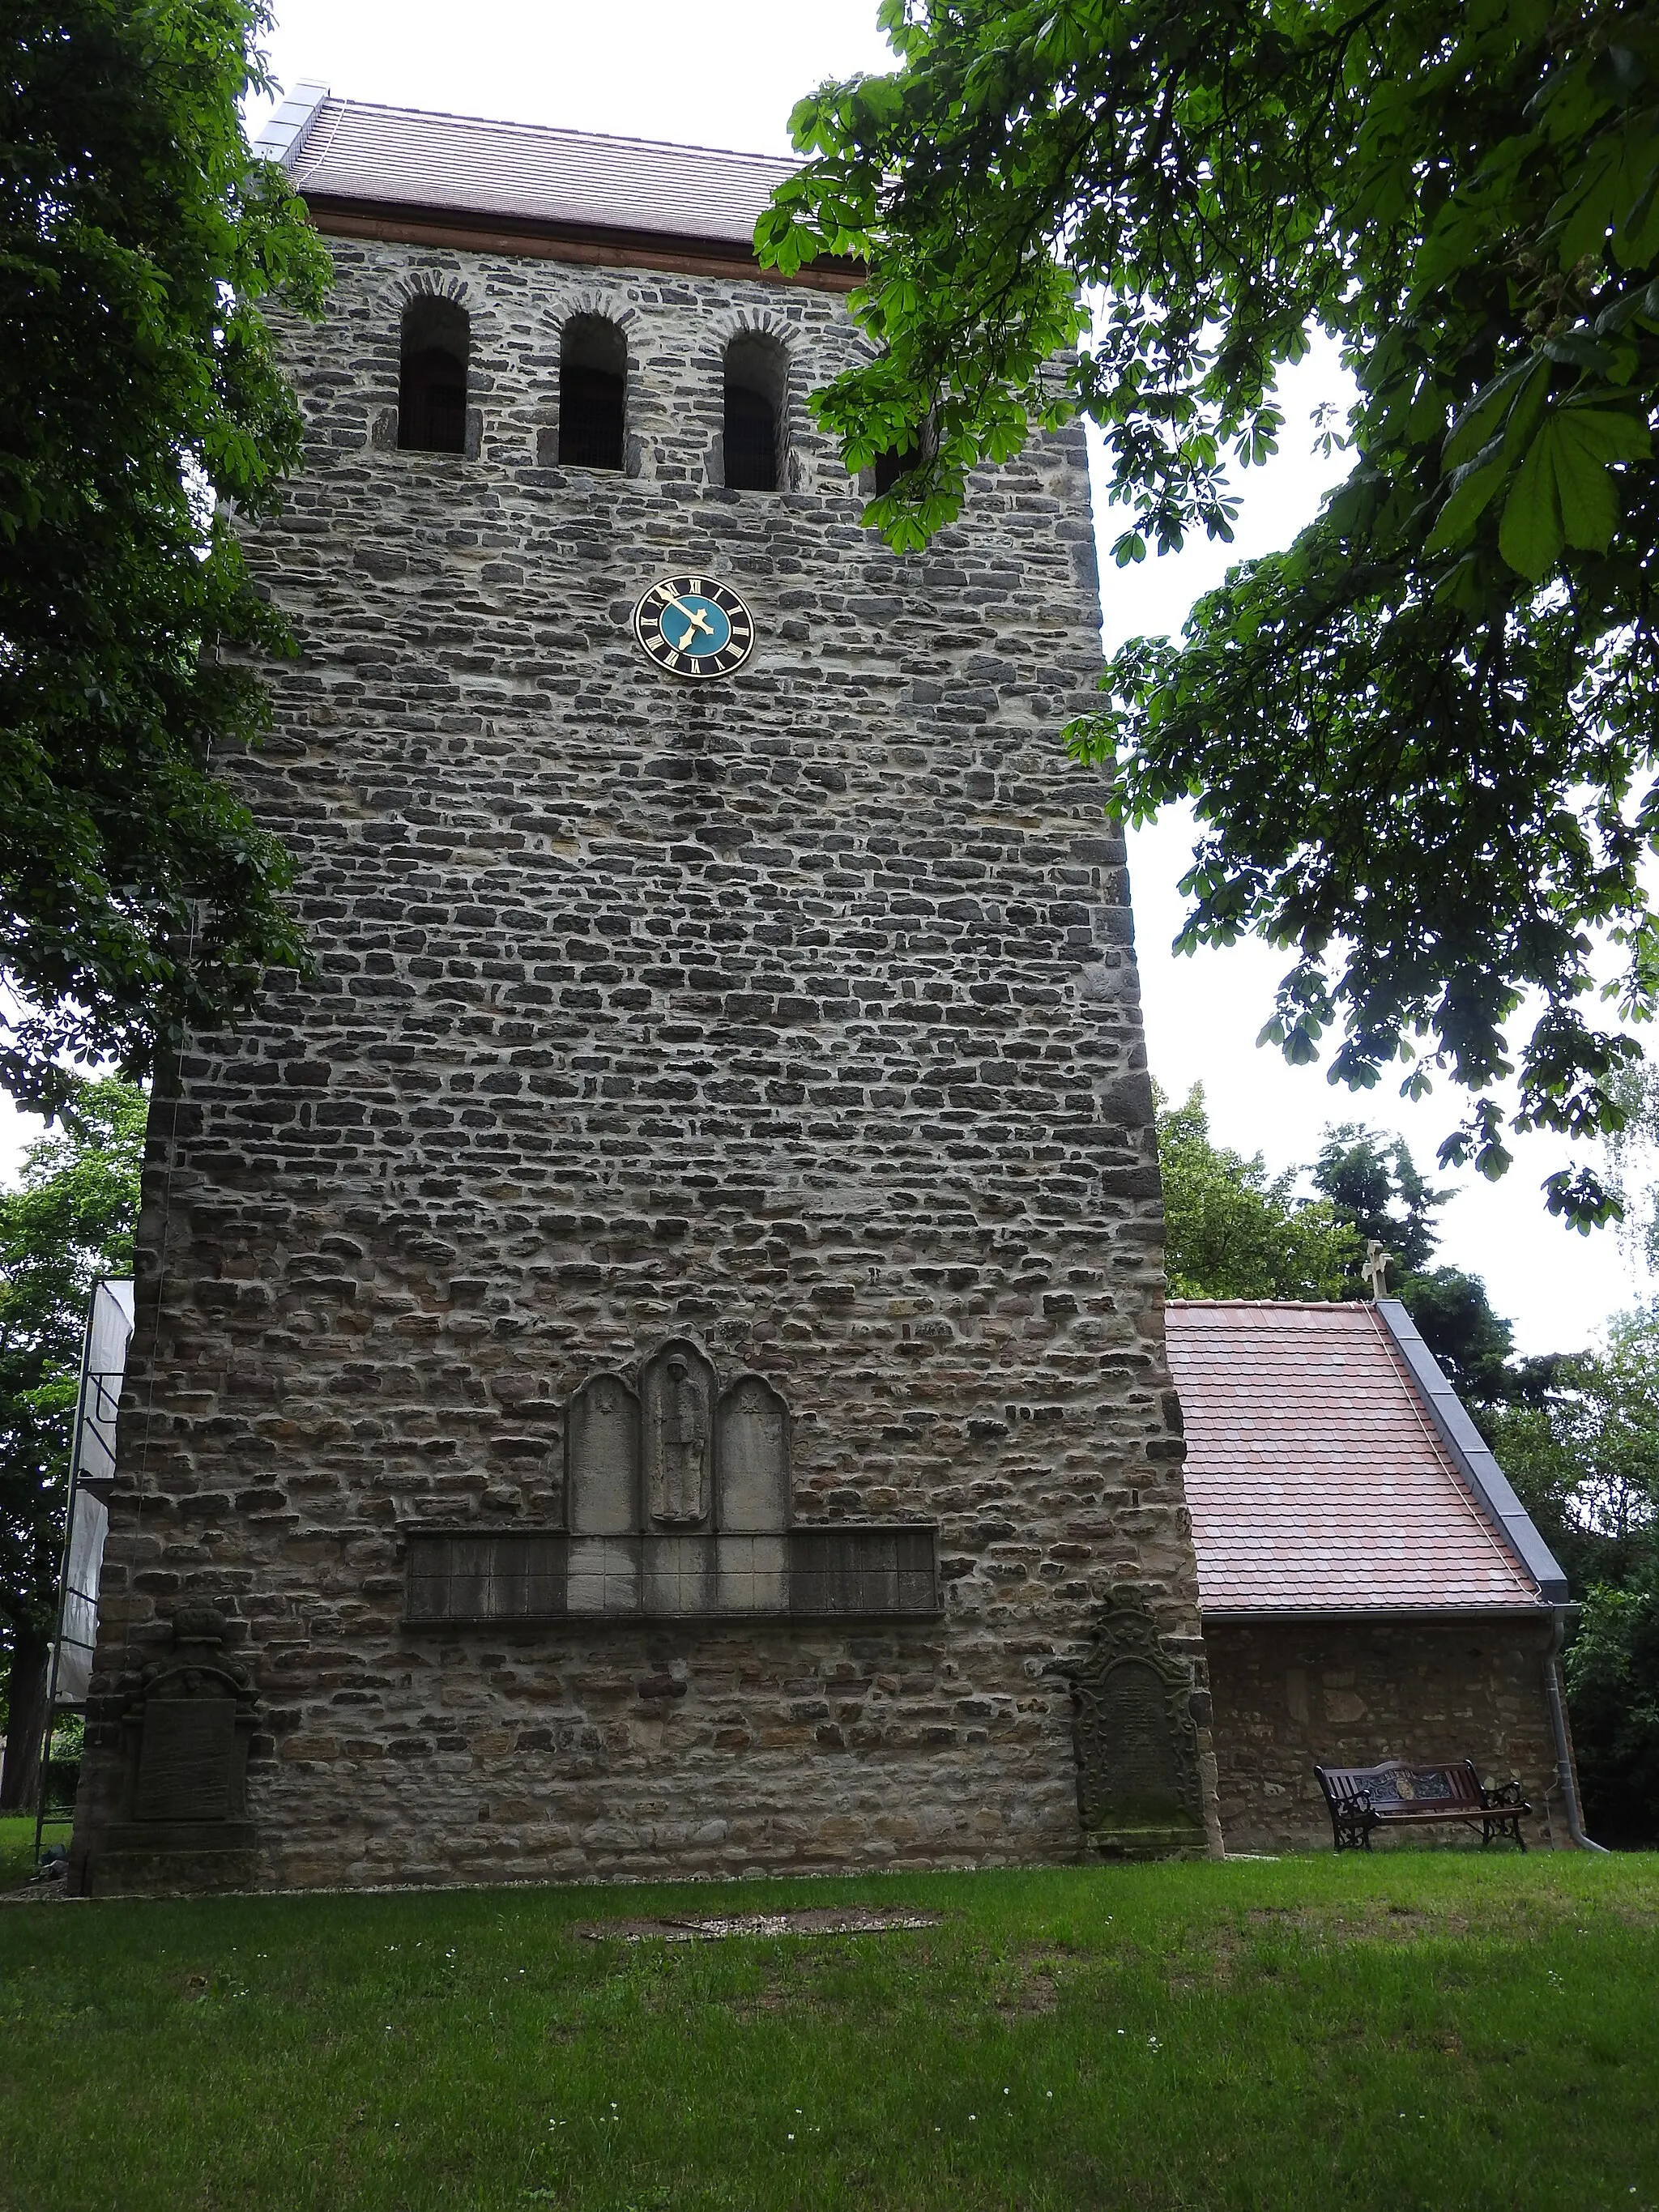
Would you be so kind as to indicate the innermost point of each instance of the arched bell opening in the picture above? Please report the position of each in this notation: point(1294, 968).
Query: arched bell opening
point(432, 387)
point(592, 393)
point(756, 391)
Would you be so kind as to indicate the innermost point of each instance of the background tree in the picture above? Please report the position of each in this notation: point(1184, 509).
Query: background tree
point(1420, 742)
point(70, 1220)
point(1585, 1462)
point(138, 384)
point(1374, 1185)
point(1232, 1230)
point(1373, 1182)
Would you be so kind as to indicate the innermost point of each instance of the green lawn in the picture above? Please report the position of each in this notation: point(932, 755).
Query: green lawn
point(17, 1850)
point(1417, 2029)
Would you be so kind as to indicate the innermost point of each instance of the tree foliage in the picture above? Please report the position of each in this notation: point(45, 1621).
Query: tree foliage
point(70, 1219)
point(1231, 1230)
point(1585, 1462)
point(1374, 1185)
point(1375, 1188)
point(1419, 741)
point(138, 385)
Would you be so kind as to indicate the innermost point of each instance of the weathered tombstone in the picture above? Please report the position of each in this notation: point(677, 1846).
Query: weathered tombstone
point(753, 1459)
point(602, 1458)
point(1139, 1790)
point(187, 1721)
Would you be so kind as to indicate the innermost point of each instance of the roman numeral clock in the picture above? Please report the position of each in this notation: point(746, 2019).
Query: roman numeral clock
point(693, 626)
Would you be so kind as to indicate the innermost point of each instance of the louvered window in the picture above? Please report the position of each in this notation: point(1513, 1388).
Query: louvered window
point(432, 390)
point(757, 380)
point(892, 464)
point(592, 393)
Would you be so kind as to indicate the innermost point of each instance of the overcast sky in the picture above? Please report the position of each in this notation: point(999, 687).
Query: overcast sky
point(728, 75)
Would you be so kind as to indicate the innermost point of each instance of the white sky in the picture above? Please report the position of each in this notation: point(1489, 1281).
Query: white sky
point(729, 76)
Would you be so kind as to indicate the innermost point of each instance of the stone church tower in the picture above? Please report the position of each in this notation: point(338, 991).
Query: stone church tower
point(651, 1360)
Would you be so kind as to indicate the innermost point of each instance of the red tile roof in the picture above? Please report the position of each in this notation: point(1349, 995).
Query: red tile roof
point(1314, 1476)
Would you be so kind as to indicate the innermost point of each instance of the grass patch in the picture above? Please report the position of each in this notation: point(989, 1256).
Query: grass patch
point(17, 1848)
point(1419, 2029)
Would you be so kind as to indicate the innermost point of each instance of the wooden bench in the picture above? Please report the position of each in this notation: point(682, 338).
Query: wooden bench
point(1398, 1795)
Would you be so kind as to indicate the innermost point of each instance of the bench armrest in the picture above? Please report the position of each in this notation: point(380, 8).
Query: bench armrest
point(1508, 1794)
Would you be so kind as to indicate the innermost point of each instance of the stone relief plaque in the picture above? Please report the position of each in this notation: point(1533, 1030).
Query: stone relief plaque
point(603, 1576)
point(1139, 1792)
point(184, 1760)
point(602, 1458)
point(677, 1405)
point(679, 1505)
point(754, 1458)
point(1140, 1752)
point(680, 1575)
point(752, 1574)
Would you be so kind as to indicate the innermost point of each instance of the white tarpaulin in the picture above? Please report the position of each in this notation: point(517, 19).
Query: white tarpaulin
point(109, 1325)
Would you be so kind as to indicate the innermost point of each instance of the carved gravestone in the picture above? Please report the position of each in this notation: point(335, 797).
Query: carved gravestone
point(677, 1404)
point(754, 1457)
point(187, 1722)
point(1138, 1793)
point(602, 1450)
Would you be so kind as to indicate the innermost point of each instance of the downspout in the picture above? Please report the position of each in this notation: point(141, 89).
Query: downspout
point(1564, 1767)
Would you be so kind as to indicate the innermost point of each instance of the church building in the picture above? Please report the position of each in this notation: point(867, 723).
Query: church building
point(650, 1360)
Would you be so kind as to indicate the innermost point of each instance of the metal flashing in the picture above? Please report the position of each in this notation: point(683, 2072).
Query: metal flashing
point(1472, 1455)
point(1238, 1616)
point(284, 134)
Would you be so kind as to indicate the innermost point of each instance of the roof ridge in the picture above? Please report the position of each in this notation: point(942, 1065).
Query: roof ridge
point(1277, 1305)
point(784, 161)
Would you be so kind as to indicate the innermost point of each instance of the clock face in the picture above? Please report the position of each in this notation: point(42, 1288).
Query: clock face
point(693, 626)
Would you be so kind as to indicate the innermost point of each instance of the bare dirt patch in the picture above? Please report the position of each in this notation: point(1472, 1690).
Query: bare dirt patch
point(820, 1920)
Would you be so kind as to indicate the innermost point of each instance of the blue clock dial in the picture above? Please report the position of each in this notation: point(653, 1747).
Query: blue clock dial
point(694, 626)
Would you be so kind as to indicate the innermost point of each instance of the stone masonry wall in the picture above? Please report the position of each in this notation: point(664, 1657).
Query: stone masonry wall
point(1353, 1693)
point(798, 1014)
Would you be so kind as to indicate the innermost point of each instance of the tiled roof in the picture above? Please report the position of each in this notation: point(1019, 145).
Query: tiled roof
point(1316, 1478)
point(399, 156)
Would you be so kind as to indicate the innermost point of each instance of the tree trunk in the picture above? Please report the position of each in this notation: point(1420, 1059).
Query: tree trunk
point(26, 1725)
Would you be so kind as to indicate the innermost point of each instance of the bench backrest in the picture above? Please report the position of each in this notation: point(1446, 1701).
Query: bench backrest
point(1397, 1782)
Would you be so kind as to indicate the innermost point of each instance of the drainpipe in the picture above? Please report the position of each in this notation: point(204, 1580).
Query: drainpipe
point(1564, 1767)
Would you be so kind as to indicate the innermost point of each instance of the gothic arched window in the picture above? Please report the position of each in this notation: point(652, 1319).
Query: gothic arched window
point(592, 393)
point(756, 383)
point(432, 389)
